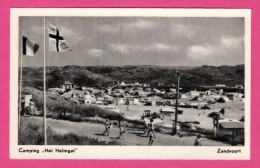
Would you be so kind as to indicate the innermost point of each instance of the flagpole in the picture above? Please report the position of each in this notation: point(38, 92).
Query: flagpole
point(21, 73)
point(44, 87)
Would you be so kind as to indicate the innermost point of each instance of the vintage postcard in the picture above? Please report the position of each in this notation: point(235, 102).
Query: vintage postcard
point(120, 83)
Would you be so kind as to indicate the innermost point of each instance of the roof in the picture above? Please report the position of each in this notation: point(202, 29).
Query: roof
point(232, 124)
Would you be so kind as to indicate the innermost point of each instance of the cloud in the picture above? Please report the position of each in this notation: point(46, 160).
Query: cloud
point(138, 25)
point(95, 52)
point(109, 29)
point(183, 30)
point(126, 48)
point(231, 42)
point(121, 48)
point(164, 47)
point(200, 52)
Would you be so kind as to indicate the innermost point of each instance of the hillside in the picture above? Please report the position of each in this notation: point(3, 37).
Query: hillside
point(93, 75)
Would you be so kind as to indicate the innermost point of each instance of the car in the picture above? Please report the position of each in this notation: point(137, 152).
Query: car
point(187, 126)
point(155, 115)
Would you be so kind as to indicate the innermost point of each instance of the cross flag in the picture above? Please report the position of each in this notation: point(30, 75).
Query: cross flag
point(56, 40)
point(29, 47)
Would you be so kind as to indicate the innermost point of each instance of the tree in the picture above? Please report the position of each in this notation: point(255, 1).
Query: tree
point(83, 80)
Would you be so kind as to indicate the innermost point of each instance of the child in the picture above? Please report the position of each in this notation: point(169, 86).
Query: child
point(198, 141)
point(121, 131)
point(150, 139)
point(107, 127)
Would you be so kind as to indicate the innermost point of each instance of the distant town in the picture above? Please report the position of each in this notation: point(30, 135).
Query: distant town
point(214, 113)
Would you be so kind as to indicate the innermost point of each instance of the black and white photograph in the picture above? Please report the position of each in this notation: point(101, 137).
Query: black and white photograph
point(145, 80)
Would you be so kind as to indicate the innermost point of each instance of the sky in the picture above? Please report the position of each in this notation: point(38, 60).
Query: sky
point(119, 41)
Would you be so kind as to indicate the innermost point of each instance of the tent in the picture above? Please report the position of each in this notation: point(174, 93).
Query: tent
point(223, 99)
point(197, 98)
point(208, 93)
point(183, 96)
point(121, 100)
point(231, 97)
point(136, 101)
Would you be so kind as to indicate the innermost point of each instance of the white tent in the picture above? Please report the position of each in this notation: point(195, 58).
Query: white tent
point(121, 100)
point(136, 101)
point(183, 96)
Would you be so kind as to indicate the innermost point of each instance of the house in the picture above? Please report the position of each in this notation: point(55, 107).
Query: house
point(231, 127)
point(87, 99)
point(27, 99)
point(118, 91)
point(132, 101)
point(173, 90)
point(108, 98)
point(67, 86)
point(147, 89)
point(122, 84)
point(193, 93)
point(136, 84)
point(208, 93)
point(156, 91)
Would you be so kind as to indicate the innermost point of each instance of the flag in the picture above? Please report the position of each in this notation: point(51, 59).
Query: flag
point(29, 47)
point(56, 40)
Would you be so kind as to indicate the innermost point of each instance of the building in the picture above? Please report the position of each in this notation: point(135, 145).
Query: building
point(27, 99)
point(193, 93)
point(231, 127)
point(67, 86)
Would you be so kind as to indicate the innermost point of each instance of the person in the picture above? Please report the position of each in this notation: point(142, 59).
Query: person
point(107, 127)
point(151, 128)
point(222, 111)
point(22, 106)
point(150, 139)
point(32, 107)
point(121, 131)
point(145, 128)
point(198, 141)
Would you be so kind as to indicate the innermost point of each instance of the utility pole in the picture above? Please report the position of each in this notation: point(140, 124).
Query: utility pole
point(177, 97)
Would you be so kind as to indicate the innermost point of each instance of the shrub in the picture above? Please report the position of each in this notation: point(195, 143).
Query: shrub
point(30, 134)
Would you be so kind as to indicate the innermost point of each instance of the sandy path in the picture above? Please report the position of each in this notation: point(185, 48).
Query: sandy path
point(132, 136)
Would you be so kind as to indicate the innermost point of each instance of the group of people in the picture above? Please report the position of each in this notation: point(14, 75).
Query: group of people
point(149, 129)
point(108, 126)
point(27, 110)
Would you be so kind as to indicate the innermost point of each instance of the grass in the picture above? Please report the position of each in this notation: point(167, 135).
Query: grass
point(32, 134)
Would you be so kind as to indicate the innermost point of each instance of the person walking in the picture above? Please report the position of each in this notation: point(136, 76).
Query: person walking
point(107, 127)
point(150, 139)
point(151, 128)
point(121, 131)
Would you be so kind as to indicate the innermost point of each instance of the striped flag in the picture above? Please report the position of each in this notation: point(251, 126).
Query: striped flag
point(29, 47)
point(56, 40)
